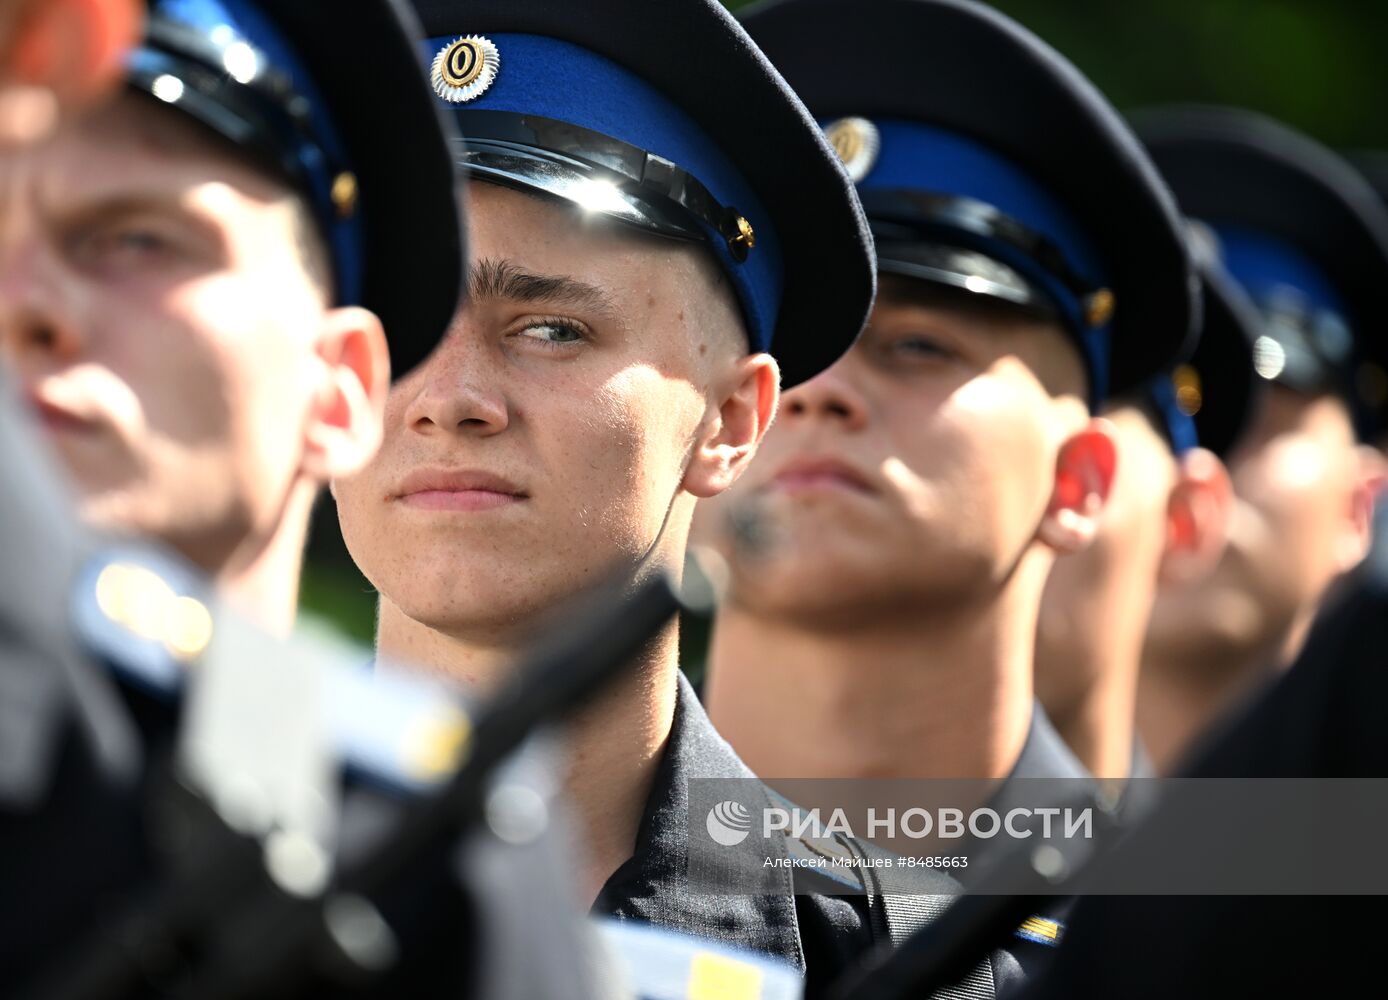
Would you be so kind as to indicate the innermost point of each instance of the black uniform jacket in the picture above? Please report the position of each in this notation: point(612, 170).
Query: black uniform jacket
point(823, 935)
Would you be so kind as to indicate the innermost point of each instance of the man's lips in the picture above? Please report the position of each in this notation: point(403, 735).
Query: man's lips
point(810, 475)
point(460, 489)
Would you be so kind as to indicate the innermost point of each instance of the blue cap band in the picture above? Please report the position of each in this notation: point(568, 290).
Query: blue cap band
point(918, 157)
point(1180, 427)
point(319, 153)
point(550, 78)
point(1267, 266)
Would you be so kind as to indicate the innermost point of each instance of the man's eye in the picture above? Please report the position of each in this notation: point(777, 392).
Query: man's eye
point(126, 241)
point(918, 347)
point(140, 239)
point(553, 332)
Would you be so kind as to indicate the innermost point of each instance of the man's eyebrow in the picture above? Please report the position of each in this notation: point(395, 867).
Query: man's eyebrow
point(496, 278)
point(103, 208)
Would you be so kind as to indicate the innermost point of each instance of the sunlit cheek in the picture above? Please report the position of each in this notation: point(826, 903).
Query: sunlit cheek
point(1009, 404)
point(908, 485)
point(1298, 464)
point(120, 400)
point(640, 430)
point(1284, 488)
point(990, 437)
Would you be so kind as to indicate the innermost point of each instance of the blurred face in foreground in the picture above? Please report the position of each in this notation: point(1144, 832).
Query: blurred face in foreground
point(164, 304)
point(594, 385)
point(918, 471)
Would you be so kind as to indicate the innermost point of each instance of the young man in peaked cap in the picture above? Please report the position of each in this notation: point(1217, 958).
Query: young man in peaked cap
point(1307, 239)
point(207, 282)
point(890, 546)
point(1165, 523)
point(657, 230)
point(204, 288)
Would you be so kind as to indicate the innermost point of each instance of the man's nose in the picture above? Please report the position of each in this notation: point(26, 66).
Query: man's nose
point(458, 389)
point(831, 395)
point(36, 321)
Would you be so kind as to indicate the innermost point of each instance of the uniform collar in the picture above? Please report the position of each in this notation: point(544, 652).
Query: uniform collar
point(1044, 755)
point(652, 885)
point(1141, 766)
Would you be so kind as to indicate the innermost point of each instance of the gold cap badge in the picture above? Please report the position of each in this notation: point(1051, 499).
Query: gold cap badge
point(1098, 307)
point(1190, 393)
point(743, 240)
point(857, 142)
point(344, 194)
point(465, 68)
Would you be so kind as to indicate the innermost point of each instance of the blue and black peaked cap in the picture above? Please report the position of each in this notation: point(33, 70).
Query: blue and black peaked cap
point(987, 162)
point(1302, 232)
point(664, 116)
point(333, 99)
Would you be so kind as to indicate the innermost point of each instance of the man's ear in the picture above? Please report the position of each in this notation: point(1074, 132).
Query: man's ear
point(741, 409)
point(1084, 472)
point(1371, 475)
point(343, 429)
point(1197, 517)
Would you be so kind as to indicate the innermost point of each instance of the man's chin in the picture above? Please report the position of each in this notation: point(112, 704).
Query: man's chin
point(810, 580)
point(118, 512)
point(474, 614)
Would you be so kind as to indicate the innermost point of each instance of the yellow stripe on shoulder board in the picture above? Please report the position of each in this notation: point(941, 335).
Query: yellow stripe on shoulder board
point(1041, 927)
point(437, 743)
point(718, 977)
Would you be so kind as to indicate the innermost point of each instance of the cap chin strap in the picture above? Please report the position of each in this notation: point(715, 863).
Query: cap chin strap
point(648, 558)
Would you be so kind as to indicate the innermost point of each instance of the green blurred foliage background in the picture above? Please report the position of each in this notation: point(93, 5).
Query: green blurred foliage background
point(1316, 64)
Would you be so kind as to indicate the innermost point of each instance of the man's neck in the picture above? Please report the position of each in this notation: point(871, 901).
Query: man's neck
point(261, 579)
point(1183, 691)
point(1097, 722)
point(939, 693)
point(1099, 727)
point(1192, 676)
point(612, 747)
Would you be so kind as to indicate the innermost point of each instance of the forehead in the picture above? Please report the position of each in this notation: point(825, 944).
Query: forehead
point(1285, 410)
point(135, 144)
point(543, 232)
point(991, 328)
point(654, 287)
point(962, 307)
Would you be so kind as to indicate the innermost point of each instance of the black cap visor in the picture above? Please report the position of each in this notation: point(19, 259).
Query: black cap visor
point(597, 173)
point(176, 66)
point(964, 269)
point(583, 185)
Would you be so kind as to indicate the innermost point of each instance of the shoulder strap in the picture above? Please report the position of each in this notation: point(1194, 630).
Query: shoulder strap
point(896, 916)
